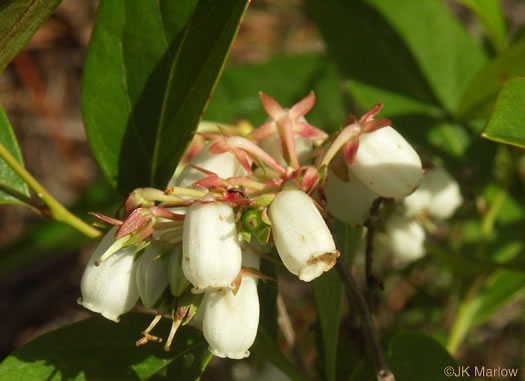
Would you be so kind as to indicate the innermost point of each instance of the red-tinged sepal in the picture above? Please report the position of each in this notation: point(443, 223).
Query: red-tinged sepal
point(109, 220)
point(308, 178)
point(374, 125)
point(271, 106)
point(136, 221)
point(351, 151)
point(369, 115)
point(264, 131)
point(310, 132)
point(302, 107)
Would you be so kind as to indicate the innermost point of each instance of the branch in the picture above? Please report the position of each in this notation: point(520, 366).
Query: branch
point(56, 210)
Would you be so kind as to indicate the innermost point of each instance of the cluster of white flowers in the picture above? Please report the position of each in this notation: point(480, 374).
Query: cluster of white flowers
point(238, 195)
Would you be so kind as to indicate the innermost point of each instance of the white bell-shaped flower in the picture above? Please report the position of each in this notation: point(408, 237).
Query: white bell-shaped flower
point(223, 164)
point(438, 195)
point(210, 246)
point(230, 321)
point(177, 281)
point(406, 239)
point(110, 288)
point(303, 148)
point(348, 201)
point(387, 163)
point(301, 236)
point(152, 274)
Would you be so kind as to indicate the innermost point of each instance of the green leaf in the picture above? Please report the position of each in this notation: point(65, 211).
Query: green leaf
point(8, 177)
point(98, 349)
point(448, 59)
point(507, 122)
point(499, 290)
point(288, 79)
point(491, 16)
point(328, 292)
point(368, 50)
point(19, 20)
point(149, 73)
point(478, 99)
point(416, 356)
point(393, 46)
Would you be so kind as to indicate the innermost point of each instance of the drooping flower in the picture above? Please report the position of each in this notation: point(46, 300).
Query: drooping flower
point(406, 239)
point(301, 236)
point(230, 320)
point(387, 164)
point(349, 201)
point(110, 288)
point(152, 274)
point(210, 246)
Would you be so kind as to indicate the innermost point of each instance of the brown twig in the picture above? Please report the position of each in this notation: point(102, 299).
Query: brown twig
point(371, 223)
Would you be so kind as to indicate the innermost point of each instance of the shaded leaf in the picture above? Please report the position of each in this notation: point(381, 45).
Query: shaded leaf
point(146, 85)
point(393, 46)
point(507, 122)
point(328, 292)
point(19, 20)
point(416, 356)
point(491, 17)
point(480, 95)
point(448, 59)
point(8, 177)
point(499, 290)
point(98, 349)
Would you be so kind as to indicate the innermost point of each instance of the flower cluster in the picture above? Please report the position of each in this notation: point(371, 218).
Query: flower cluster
point(193, 249)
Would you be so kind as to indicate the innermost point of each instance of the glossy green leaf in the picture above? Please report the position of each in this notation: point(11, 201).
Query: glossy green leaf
point(146, 83)
point(288, 79)
point(507, 122)
point(416, 356)
point(480, 95)
point(99, 349)
point(394, 46)
point(8, 177)
point(19, 20)
point(491, 17)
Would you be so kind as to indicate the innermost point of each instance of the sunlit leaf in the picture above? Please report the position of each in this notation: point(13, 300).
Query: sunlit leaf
point(8, 177)
point(146, 83)
point(507, 123)
point(99, 349)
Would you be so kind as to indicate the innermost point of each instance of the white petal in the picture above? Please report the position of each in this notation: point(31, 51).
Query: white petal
point(110, 288)
point(301, 236)
point(387, 164)
point(230, 321)
point(446, 196)
point(152, 275)
point(406, 238)
point(210, 246)
point(438, 195)
point(224, 165)
point(349, 201)
point(177, 280)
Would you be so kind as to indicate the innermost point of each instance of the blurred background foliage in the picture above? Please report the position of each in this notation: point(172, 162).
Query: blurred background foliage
point(446, 71)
